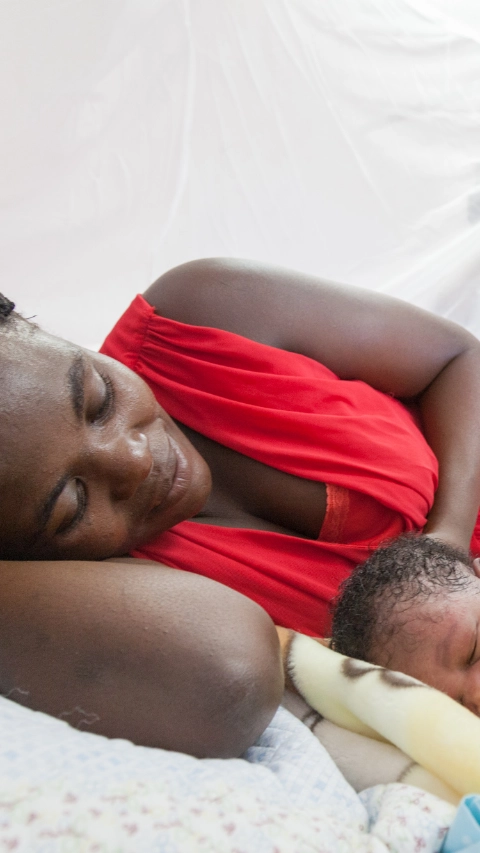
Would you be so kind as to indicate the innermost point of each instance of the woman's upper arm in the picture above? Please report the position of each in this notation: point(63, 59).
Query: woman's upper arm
point(358, 334)
point(161, 657)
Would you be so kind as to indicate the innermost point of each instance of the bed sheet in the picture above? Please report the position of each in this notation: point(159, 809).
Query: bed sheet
point(62, 789)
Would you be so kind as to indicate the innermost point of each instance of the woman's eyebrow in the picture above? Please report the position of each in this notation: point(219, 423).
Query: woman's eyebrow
point(76, 384)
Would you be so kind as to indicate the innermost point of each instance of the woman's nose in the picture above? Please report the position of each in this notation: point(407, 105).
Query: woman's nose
point(123, 462)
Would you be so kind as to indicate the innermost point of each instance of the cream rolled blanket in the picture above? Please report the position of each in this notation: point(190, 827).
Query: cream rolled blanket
point(438, 734)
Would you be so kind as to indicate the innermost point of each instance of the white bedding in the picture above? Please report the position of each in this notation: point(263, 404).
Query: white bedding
point(67, 790)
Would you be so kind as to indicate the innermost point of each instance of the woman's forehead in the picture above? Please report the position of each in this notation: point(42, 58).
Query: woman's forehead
point(33, 378)
point(25, 339)
point(37, 357)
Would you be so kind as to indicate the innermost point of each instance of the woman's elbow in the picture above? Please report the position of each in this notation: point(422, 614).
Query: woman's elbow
point(254, 687)
point(243, 691)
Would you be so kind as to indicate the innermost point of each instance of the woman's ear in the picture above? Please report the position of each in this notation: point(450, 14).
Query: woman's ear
point(476, 566)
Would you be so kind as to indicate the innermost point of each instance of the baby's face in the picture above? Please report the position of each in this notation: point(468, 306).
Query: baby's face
point(438, 642)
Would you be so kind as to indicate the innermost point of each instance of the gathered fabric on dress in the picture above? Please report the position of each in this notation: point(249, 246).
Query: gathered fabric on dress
point(293, 414)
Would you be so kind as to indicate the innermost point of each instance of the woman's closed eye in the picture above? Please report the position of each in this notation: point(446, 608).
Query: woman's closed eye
point(74, 503)
point(102, 404)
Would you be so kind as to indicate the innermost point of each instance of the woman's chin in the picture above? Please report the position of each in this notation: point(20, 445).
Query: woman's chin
point(189, 504)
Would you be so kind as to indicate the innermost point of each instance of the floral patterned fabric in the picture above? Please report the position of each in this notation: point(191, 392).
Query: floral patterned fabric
point(66, 790)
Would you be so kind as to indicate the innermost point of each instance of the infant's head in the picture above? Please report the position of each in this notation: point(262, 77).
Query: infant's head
point(414, 606)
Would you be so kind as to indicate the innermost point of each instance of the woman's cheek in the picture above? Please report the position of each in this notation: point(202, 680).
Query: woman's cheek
point(108, 536)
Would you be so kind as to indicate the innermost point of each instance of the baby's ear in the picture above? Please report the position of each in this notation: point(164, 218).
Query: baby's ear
point(476, 566)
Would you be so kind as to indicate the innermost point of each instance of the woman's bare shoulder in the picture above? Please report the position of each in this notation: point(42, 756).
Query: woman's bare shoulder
point(214, 292)
point(359, 334)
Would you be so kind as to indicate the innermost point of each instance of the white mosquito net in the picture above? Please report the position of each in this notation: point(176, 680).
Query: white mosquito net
point(339, 138)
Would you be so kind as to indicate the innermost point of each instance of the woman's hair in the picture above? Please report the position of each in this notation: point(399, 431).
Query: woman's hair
point(11, 320)
point(6, 309)
point(373, 604)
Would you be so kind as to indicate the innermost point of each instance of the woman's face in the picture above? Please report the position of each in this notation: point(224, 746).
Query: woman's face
point(90, 465)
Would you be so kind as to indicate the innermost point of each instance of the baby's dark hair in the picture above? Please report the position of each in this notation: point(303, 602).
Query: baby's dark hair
point(372, 603)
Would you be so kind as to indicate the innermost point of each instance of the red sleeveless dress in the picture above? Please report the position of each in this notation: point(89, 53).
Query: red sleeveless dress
point(291, 413)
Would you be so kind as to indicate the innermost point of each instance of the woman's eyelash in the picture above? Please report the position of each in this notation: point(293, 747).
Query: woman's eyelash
point(82, 503)
point(108, 403)
point(80, 510)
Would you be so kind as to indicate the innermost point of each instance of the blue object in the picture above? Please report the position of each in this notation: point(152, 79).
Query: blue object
point(464, 833)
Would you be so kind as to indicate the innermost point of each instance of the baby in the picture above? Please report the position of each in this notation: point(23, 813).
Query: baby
point(414, 606)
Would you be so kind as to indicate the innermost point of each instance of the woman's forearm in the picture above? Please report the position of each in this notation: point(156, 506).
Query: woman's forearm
point(161, 657)
point(450, 410)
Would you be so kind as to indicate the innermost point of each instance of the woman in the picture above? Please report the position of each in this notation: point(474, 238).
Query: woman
point(289, 474)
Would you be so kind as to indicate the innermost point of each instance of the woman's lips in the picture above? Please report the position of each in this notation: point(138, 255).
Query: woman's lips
point(170, 478)
point(161, 477)
point(182, 475)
